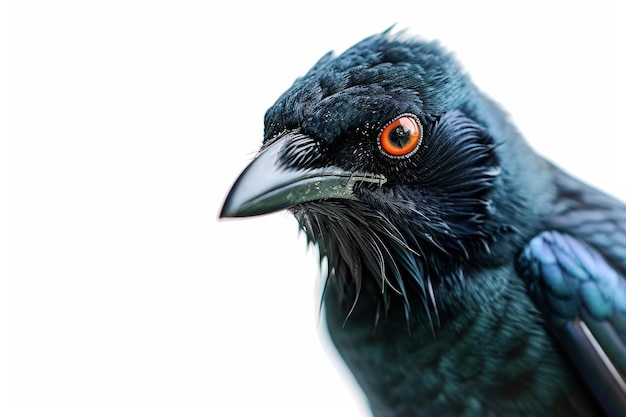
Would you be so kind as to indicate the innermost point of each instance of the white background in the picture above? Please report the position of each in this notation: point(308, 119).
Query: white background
point(122, 294)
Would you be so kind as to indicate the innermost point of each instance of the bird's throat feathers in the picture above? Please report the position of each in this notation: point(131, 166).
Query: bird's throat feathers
point(405, 243)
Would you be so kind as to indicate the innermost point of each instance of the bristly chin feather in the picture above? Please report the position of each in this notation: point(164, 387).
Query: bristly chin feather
point(427, 228)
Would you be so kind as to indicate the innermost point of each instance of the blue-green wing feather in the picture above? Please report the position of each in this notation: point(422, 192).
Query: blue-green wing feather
point(583, 299)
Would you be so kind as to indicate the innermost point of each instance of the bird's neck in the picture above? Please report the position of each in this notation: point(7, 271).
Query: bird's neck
point(486, 328)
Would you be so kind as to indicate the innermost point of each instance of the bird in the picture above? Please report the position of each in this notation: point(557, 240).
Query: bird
point(465, 274)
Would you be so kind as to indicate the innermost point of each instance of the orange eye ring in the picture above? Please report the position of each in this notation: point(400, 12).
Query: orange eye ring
point(402, 136)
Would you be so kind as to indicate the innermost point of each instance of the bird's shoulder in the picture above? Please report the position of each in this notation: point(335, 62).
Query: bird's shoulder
point(575, 270)
point(592, 216)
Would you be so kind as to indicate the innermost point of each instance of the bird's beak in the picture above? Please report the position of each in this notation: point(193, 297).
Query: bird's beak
point(266, 186)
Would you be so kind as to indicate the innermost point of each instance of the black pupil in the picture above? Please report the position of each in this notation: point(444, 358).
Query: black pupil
point(400, 137)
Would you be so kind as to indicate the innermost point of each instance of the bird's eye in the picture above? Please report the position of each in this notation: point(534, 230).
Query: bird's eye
point(401, 136)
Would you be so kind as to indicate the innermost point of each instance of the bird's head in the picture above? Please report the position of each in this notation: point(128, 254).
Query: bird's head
point(386, 156)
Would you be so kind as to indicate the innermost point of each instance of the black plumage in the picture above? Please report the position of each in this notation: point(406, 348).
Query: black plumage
point(450, 245)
